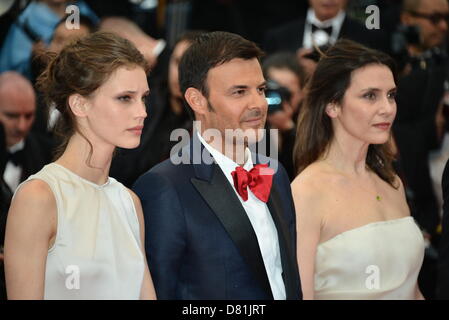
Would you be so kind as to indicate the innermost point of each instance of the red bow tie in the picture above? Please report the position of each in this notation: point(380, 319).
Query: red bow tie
point(258, 179)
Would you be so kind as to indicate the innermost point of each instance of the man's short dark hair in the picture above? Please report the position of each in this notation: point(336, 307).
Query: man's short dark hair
point(210, 50)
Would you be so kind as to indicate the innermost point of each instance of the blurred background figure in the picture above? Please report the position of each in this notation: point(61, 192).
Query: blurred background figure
point(284, 94)
point(33, 29)
point(125, 28)
point(419, 49)
point(324, 22)
point(62, 35)
point(27, 152)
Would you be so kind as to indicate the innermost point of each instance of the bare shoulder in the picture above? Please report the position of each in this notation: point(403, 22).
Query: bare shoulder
point(33, 208)
point(137, 204)
point(35, 195)
point(312, 190)
point(400, 192)
point(134, 196)
point(399, 185)
point(139, 213)
point(313, 180)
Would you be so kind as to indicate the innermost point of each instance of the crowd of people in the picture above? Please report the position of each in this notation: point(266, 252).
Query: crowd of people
point(354, 176)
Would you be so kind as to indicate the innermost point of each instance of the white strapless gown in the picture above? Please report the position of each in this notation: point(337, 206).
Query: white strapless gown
point(379, 260)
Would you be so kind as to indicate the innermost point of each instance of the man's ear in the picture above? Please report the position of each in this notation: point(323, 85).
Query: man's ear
point(196, 100)
point(78, 105)
point(332, 110)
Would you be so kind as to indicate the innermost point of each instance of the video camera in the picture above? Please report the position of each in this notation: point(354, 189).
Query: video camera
point(276, 95)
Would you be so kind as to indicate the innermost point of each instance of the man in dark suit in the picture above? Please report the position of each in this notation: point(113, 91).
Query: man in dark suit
point(26, 152)
point(420, 91)
point(417, 129)
point(221, 225)
point(325, 22)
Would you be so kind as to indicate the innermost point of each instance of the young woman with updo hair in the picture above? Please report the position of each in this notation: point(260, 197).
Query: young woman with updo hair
point(73, 232)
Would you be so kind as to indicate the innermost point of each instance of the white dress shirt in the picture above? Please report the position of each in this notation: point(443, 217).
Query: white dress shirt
point(261, 220)
point(311, 18)
point(12, 172)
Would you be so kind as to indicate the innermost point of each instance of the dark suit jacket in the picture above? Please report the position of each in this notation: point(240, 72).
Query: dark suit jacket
point(419, 94)
point(199, 241)
point(289, 37)
point(38, 153)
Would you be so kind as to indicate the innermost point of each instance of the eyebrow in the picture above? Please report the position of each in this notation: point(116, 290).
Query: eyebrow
point(17, 114)
point(134, 92)
point(246, 87)
point(377, 89)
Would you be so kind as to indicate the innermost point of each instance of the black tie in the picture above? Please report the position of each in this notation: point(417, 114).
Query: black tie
point(15, 157)
point(328, 30)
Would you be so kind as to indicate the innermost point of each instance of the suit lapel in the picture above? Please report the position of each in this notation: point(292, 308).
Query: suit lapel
point(235, 220)
point(212, 184)
point(345, 28)
point(288, 262)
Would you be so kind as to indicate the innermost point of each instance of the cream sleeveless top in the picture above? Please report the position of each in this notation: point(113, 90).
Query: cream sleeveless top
point(379, 260)
point(97, 252)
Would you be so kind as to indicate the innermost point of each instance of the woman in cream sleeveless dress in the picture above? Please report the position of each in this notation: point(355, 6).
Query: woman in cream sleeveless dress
point(72, 231)
point(97, 249)
point(356, 239)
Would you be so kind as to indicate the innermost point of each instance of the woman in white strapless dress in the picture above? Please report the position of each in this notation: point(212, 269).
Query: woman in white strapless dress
point(72, 231)
point(356, 239)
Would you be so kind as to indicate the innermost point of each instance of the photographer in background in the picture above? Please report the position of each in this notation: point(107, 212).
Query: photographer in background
point(279, 117)
point(419, 48)
point(286, 79)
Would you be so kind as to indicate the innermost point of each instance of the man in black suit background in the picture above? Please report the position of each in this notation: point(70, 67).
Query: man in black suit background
point(417, 128)
point(420, 92)
point(26, 152)
point(324, 23)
